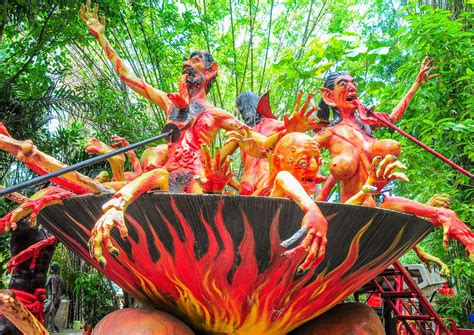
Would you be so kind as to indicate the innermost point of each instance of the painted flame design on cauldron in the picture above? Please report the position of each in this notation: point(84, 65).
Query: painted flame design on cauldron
point(213, 281)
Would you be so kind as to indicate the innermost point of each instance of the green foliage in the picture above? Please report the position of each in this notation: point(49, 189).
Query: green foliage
point(52, 72)
point(95, 294)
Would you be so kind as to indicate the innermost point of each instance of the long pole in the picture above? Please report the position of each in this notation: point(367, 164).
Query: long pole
point(424, 146)
point(171, 132)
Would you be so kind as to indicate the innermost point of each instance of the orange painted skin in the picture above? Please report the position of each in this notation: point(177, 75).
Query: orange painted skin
point(256, 170)
point(294, 174)
point(183, 156)
point(352, 151)
point(45, 197)
point(256, 166)
point(41, 163)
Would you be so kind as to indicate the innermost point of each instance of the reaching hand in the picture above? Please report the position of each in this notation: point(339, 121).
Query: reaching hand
point(113, 217)
point(119, 142)
point(300, 120)
point(216, 174)
point(440, 200)
point(91, 19)
point(454, 228)
point(381, 173)
point(250, 142)
point(314, 228)
point(366, 116)
point(424, 74)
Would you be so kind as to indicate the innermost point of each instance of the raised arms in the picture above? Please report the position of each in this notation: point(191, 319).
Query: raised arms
point(422, 77)
point(97, 29)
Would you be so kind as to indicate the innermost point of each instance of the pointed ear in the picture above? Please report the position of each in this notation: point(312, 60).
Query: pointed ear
point(328, 96)
point(212, 70)
point(264, 108)
point(276, 160)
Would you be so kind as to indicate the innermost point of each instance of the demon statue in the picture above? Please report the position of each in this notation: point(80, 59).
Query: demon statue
point(353, 147)
point(31, 249)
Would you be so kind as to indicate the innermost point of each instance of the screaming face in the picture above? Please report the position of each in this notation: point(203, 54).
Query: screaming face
point(345, 92)
point(194, 69)
point(299, 154)
point(200, 69)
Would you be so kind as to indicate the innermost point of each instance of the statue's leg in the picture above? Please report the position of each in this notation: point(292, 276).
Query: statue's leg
point(16, 312)
point(15, 196)
point(39, 162)
point(117, 162)
point(28, 279)
point(115, 208)
point(45, 197)
point(453, 227)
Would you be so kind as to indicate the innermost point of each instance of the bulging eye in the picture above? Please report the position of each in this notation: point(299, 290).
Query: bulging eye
point(303, 164)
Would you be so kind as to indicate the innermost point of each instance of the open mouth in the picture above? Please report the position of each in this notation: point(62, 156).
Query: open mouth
point(351, 96)
point(189, 70)
point(308, 179)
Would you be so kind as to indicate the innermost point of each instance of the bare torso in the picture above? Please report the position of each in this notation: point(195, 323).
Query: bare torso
point(256, 170)
point(199, 127)
point(352, 151)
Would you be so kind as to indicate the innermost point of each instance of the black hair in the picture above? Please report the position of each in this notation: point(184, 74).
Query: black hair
point(247, 103)
point(323, 113)
point(55, 267)
point(329, 82)
point(208, 61)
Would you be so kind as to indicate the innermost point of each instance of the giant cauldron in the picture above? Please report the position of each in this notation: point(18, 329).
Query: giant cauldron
point(215, 261)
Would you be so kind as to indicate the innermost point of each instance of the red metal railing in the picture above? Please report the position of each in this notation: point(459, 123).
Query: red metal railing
point(409, 305)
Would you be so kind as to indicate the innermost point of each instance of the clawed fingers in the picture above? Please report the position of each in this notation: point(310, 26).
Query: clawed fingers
point(94, 246)
point(315, 253)
point(430, 61)
point(311, 112)
point(423, 63)
point(436, 75)
point(399, 176)
point(384, 163)
point(217, 160)
point(432, 69)
point(306, 104)
point(440, 200)
point(81, 14)
point(314, 244)
point(392, 166)
point(108, 243)
point(206, 157)
point(299, 95)
point(101, 233)
point(445, 238)
point(96, 11)
point(226, 165)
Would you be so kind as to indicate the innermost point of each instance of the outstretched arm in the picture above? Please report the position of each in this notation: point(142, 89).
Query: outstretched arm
point(114, 211)
point(97, 28)
point(421, 79)
point(313, 226)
